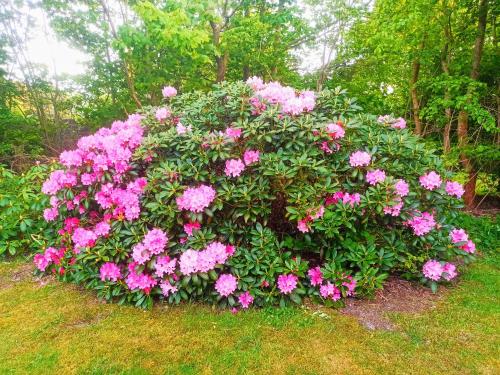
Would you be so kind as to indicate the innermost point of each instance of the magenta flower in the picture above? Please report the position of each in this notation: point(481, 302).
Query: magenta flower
point(155, 241)
point(329, 290)
point(41, 262)
point(245, 299)
point(458, 235)
point(432, 270)
point(287, 283)
point(374, 177)
point(422, 224)
point(83, 238)
point(169, 91)
point(162, 114)
point(167, 288)
point(402, 188)
point(430, 181)
point(234, 167)
point(234, 133)
point(359, 159)
point(188, 262)
point(449, 271)
point(469, 247)
point(454, 189)
point(196, 199)
point(315, 276)
point(189, 227)
point(141, 253)
point(399, 123)
point(50, 214)
point(302, 226)
point(226, 284)
point(110, 271)
point(335, 131)
point(251, 156)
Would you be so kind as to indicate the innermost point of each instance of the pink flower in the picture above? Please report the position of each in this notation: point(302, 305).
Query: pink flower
point(422, 224)
point(155, 241)
point(196, 199)
point(162, 113)
point(302, 226)
point(329, 290)
point(164, 265)
point(41, 262)
point(110, 271)
point(102, 229)
point(140, 281)
point(287, 283)
point(71, 158)
point(399, 123)
point(469, 247)
point(226, 284)
point(234, 167)
point(189, 262)
point(458, 235)
point(359, 159)
point(245, 299)
point(169, 91)
point(234, 133)
point(430, 181)
point(432, 270)
point(335, 131)
point(83, 238)
point(251, 156)
point(393, 210)
point(167, 288)
point(402, 188)
point(352, 199)
point(449, 271)
point(315, 275)
point(189, 227)
point(50, 214)
point(141, 253)
point(319, 213)
point(374, 177)
point(255, 83)
point(334, 198)
point(350, 285)
point(181, 129)
point(454, 189)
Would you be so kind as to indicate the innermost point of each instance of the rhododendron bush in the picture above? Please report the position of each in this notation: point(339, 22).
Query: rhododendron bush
point(249, 195)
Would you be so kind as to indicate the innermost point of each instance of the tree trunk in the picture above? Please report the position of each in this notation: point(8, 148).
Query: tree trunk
point(445, 65)
point(463, 116)
point(415, 103)
point(220, 60)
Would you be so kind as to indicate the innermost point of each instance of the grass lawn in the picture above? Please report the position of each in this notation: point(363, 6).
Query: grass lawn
point(58, 329)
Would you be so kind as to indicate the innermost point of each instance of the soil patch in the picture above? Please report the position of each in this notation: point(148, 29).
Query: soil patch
point(397, 296)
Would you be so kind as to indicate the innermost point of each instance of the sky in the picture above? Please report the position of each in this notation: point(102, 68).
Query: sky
point(45, 48)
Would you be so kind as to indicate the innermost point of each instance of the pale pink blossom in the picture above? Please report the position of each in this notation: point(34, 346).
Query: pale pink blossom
point(432, 270)
point(234, 167)
point(454, 188)
point(245, 299)
point(110, 271)
point(287, 283)
point(359, 159)
point(169, 91)
point(374, 177)
point(430, 180)
point(251, 156)
point(226, 284)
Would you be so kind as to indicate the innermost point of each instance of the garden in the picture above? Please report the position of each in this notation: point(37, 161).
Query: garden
point(249, 225)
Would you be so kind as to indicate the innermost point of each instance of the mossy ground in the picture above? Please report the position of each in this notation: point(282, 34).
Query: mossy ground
point(57, 328)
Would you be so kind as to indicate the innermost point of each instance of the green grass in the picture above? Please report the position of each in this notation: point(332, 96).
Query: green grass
point(57, 328)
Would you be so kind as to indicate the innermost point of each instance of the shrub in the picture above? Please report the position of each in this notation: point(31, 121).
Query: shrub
point(21, 205)
point(251, 194)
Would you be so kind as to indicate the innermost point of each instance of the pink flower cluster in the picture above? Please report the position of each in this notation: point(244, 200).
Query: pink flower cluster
point(454, 188)
point(303, 225)
point(162, 114)
point(359, 159)
point(245, 299)
point(274, 93)
point(167, 288)
point(154, 243)
point(422, 223)
point(374, 177)
point(169, 91)
point(329, 290)
point(226, 284)
point(430, 180)
point(122, 202)
point(251, 156)
point(287, 283)
point(192, 261)
point(196, 199)
point(164, 265)
point(335, 131)
point(51, 255)
point(460, 237)
point(402, 188)
point(398, 123)
point(234, 167)
point(141, 281)
point(110, 271)
point(434, 270)
point(346, 198)
point(395, 209)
